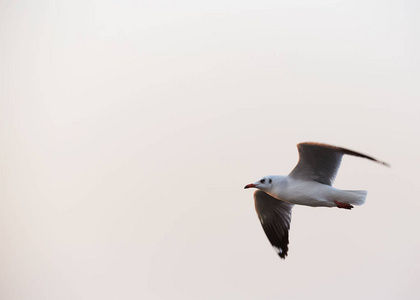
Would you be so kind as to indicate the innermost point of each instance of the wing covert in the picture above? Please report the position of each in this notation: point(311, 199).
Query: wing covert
point(320, 162)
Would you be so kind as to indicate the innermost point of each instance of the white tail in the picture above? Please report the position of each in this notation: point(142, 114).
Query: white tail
point(355, 197)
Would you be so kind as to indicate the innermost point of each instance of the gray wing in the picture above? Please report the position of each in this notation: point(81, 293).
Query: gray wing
point(275, 216)
point(320, 162)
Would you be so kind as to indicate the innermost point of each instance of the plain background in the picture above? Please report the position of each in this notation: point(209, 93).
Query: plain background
point(129, 129)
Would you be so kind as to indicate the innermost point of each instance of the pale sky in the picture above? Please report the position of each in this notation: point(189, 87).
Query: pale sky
point(129, 129)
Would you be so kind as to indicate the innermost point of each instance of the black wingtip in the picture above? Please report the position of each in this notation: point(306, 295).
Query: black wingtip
point(385, 164)
point(282, 250)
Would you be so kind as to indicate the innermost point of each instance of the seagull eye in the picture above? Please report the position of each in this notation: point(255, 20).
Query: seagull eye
point(270, 181)
point(262, 180)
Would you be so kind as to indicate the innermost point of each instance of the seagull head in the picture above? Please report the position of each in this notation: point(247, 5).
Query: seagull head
point(263, 184)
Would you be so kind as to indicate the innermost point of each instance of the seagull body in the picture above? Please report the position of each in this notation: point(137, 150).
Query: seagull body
point(310, 184)
point(310, 193)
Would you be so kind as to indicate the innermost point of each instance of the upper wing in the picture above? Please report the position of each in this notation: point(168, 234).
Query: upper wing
point(275, 216)
point(320, 162)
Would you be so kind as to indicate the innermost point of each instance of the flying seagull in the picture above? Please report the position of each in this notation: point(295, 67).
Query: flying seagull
point(309, 183)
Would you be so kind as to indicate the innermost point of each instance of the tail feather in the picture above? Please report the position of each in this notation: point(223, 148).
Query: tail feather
point(355, 197)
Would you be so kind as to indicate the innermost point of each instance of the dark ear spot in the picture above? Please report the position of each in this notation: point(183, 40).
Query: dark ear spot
point(270, 181)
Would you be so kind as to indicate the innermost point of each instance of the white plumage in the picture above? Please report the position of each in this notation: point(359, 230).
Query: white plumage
point(310, 184)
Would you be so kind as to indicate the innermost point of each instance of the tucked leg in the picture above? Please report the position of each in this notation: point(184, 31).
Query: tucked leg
point(343, 205)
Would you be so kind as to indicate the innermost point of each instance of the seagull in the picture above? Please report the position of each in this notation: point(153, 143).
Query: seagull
point(310, 184)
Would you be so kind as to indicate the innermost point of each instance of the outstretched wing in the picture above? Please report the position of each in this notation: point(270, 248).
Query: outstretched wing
point(275, 216)
point(320, 162)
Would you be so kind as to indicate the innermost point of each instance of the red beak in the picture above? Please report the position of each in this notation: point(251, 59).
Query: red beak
point(251, 185)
